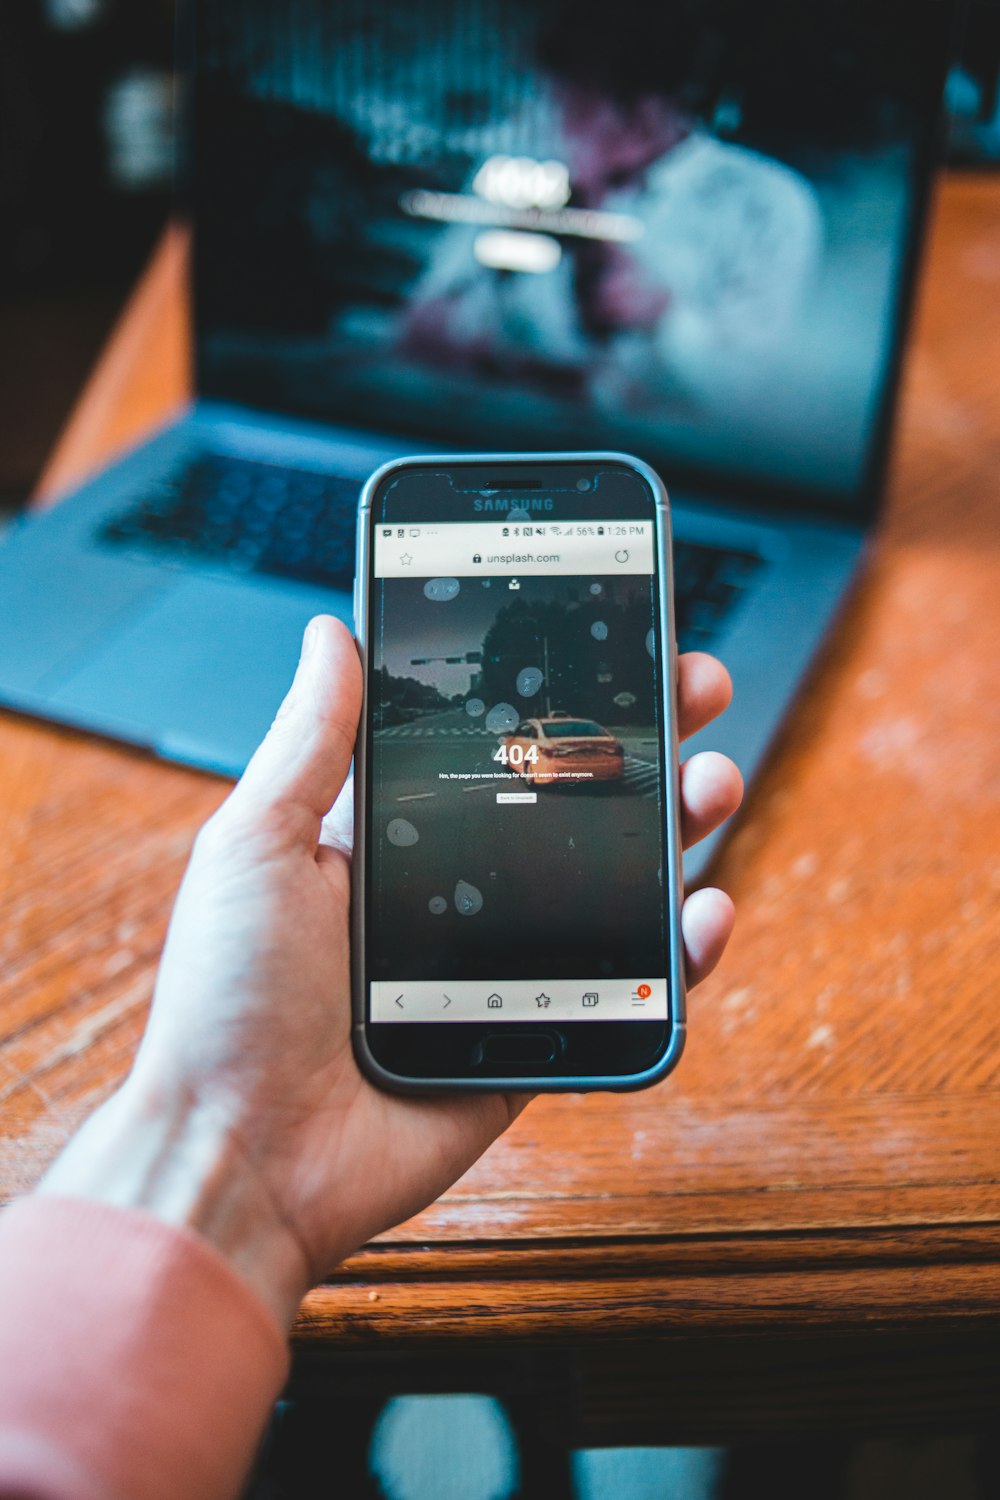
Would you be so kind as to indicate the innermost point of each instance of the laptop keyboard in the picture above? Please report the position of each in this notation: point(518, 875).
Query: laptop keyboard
point(249, 517)
point(299, 524)
point(708, 581)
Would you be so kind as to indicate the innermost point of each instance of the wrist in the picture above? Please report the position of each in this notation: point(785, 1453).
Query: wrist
point(180, 1161)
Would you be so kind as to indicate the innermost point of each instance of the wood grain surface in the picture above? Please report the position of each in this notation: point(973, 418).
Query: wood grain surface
point(142, 378)
point(827, 1156)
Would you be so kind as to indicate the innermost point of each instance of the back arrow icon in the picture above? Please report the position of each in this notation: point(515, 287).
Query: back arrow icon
point(399, 1000)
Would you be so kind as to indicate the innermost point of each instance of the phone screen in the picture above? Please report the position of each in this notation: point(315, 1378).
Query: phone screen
point(515, 770)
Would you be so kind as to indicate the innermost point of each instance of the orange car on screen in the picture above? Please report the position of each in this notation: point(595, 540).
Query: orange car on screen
point(563, 750)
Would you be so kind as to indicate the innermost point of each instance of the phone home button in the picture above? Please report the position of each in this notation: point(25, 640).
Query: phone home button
point(517, 1049)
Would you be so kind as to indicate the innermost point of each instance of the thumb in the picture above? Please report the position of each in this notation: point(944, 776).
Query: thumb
point(300, 766)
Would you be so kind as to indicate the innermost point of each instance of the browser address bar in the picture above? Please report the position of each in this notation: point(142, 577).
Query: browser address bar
point(467, 550)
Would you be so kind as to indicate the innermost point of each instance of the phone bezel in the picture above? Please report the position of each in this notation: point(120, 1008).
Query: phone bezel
point(673, 872)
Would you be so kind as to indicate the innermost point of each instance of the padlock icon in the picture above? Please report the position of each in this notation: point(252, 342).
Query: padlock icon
point(476, 557)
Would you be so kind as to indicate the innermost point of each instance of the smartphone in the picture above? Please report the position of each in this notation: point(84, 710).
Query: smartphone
point(517, 869)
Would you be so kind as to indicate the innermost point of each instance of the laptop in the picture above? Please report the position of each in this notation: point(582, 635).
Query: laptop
point(686, 231)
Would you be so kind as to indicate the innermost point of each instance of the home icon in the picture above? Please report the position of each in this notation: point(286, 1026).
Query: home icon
point(494, 1002)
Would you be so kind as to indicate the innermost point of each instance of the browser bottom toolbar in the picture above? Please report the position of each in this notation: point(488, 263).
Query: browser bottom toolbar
point(518, 1000)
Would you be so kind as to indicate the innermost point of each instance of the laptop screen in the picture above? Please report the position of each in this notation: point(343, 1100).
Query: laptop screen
point(684, 230)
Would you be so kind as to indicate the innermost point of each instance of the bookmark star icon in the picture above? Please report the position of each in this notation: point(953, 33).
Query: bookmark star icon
point(406, 559)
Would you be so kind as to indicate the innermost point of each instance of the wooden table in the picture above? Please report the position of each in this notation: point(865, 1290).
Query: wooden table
point(804, 1224)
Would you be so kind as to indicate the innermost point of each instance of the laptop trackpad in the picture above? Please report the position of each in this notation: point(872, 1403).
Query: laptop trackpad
point(199, 674)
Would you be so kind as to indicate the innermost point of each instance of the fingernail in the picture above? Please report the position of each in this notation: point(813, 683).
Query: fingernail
point(309, 639)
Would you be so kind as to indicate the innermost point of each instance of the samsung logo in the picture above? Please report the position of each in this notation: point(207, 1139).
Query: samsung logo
point(506, 503)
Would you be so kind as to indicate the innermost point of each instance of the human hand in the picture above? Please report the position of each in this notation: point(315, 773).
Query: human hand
point(245, 1115)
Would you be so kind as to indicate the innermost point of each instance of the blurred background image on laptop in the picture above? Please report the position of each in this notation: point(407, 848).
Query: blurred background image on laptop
point(86, 185)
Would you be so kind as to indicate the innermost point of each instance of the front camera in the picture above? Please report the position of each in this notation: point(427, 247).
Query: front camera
point(583, 484)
